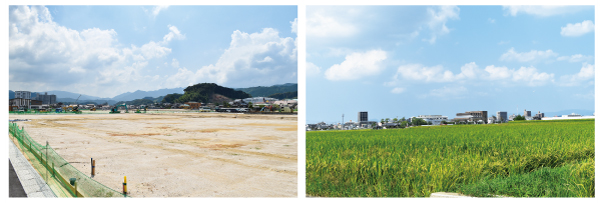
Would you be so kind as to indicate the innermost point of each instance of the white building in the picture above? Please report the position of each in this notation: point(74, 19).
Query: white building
point(255, 100)
point(571, 115)
point(22, 94)
point(434, 119)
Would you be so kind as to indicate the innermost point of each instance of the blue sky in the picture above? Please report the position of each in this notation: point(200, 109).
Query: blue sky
point(402, 61)
point(108, 50)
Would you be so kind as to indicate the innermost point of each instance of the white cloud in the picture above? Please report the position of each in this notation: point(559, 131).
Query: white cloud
point(252, 59)
point(575, 58)
point(357, 65)
point(543, 11)
point(175, 63)
point(491, 20)
point(92, 59)
point(320, 24)
point(436, 73)
point(294, 26)
point(152, 50)
point(312, 69)
point(470, 72)
point(532, 77)
point(498, 73)
point(532, 56)
point(577, 29)
point(174, 34)
point(585, 74)
point(398, 90)
point(157, 9)
point(438, 18)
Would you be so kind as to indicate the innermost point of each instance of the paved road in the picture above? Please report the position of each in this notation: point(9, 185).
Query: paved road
point(31, 181)
point(15, 189)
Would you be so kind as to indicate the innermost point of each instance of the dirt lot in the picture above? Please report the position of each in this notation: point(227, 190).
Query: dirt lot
point(178, 154)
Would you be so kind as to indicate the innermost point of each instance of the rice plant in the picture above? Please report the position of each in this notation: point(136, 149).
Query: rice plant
point(416, 162)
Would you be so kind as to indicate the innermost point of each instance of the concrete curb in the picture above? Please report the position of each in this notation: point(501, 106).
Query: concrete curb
point(33, 184)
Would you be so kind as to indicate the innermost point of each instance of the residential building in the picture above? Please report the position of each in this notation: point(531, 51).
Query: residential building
point(502, 116)
point(527, 113)
point(21, 103)
point(476, 116)
point(23, 94)
point(538, 116)
point(193, 105)
point(434, 119)
point(45, 98)
point(571, 115)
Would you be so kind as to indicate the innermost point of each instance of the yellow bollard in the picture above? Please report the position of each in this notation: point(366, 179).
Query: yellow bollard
point(125, 185)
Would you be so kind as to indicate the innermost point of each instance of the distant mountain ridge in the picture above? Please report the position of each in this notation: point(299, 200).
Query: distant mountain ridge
point(262, 91)
point(64, 96)
point(567, 112)
point(129, 96)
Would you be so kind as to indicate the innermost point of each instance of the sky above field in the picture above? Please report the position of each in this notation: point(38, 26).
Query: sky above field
point(108, 50)
point(404, 61)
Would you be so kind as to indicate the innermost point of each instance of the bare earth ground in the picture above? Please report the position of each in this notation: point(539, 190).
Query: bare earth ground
point(178, 154)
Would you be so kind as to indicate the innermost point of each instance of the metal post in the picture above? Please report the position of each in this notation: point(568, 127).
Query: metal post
point(47, 161)
point(93, 167)
point(125, 185)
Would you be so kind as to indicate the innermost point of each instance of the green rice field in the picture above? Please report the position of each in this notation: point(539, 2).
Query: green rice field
point(516, 159)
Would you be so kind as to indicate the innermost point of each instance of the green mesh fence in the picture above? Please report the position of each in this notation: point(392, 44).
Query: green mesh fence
point(56, 171)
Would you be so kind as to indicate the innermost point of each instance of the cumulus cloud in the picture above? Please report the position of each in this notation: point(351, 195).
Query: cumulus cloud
point(577, 29)
point(312, 69)
point(173, 34)
point(357, 65)
point(42, 53)
point(156, 10)
point(585, 74)
point(471, 72)
point(253, 59)
point(326, 25)
point(543, 11)
point(531, 56)
point(294, 25)
point(438, 18)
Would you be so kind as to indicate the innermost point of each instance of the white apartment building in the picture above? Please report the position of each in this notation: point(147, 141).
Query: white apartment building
point(434, 119)
point(22, 94)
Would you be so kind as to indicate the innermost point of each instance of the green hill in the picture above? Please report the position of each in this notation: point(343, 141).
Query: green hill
point(261, 91)
point(206, 93)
